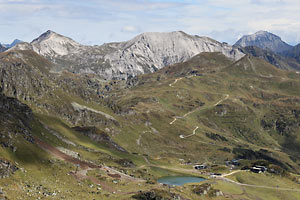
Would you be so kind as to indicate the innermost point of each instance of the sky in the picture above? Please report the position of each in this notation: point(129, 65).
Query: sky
point(94, 22)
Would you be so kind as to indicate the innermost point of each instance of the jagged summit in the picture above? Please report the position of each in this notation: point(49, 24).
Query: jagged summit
point(45, 35)
point(264, 40)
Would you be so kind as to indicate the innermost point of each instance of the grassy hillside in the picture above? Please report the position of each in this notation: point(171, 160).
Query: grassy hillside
point(91, 139)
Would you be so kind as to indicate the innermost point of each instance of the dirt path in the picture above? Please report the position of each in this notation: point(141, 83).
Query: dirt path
point(185, 115)
point(178, 79)
point(233, 172)
point(199, 108)
point(194, 132)
point(226, 97)
point(174, 120)
point(171, 84)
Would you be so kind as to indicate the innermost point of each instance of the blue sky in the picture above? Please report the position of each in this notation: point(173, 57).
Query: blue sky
point(100, 21)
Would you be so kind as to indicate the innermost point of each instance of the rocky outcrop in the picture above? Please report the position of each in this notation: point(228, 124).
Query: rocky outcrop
point(156, 194)
point(206, 189)
point(7, 169)
point(99, 136)
point(15, 119)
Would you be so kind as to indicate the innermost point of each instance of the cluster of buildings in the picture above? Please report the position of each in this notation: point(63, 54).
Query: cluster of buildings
point(258, 169)
point(234, 163)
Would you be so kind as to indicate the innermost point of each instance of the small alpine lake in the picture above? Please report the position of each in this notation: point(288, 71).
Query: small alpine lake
point(179, 180)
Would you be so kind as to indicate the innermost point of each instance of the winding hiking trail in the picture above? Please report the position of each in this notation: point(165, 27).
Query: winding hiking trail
point(171, 84)
point(199, 108)
point(185, 115)
point(226, 97)
point(222, 177)
point(194, 132)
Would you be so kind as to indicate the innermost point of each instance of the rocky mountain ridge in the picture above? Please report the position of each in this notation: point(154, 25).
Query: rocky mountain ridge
point(145, 53)
point(293, 53)
point(280, 61)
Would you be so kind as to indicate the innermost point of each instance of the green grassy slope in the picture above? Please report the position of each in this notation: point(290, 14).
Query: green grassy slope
point(206, 110)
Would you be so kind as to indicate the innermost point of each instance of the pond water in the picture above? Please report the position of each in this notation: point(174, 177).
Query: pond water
point(179, 180)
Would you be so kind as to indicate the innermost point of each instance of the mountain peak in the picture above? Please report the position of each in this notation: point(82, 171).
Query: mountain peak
point(175, 39)
point(261, 33)
point(151, 51)
point(48, 35)
point(265, 34)
point(264, 40)
point(53, 44)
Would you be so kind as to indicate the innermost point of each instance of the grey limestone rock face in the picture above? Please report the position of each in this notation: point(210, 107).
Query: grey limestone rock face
point(149, 52)
point(145, 53)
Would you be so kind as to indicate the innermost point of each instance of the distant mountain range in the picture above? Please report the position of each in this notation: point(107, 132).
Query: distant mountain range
point(4, 47)
point(149, 52)
point(145, 53)
point(15, 42)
